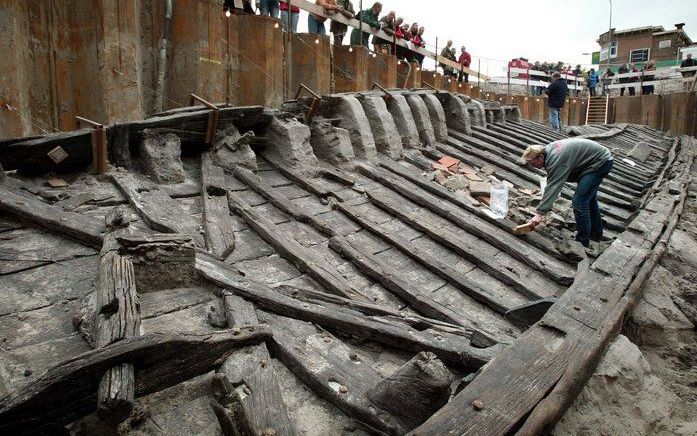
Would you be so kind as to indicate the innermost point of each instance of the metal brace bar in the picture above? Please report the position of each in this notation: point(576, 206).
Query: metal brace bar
point(430, 86)
point(387, 94)
point(99, 144)
point(212, 116)
point(313, 105)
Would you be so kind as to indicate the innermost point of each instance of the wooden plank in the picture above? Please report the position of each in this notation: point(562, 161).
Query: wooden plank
point(218, 225)
point(487, 296)
point(503, 240)
point(478, 254)
point(391, 279)
point(483, 224)
point(331, 369)
point(280, 201)
point(453, 348)
point(160, 212)
point(254, 403)
point(304, 259)
point(68, 391)
point(32, 210)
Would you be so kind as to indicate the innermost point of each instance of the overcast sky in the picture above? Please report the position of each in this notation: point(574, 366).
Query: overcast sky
point(497, 31)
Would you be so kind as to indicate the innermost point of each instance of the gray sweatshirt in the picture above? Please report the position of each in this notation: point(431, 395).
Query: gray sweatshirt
point(567, 160)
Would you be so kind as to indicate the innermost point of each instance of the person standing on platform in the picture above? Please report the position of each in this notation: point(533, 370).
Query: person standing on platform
point(269, 8)
point(556, 97)
point(294, 15)
point(623, 69)
point(465, 60)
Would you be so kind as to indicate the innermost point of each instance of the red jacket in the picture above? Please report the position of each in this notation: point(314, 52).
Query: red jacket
point(416, 40)
point(284, 7)
point(399, 34)
point(465, 60)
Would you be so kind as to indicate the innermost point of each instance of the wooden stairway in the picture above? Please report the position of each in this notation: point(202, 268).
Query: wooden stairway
point(596, 111)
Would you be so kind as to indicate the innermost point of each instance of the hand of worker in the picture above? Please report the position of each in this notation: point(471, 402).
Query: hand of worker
point(536, 220)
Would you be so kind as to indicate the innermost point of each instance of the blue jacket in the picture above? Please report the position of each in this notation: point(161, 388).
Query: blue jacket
point(557, 93)
point(592, 80)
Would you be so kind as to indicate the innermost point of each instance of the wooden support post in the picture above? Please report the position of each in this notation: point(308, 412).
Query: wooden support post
point(118, 318)
point(218, 225)
point(99, 145)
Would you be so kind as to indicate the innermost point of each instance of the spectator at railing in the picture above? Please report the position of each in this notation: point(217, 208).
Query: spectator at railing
point(371, 17)
point(633, 69)
point(687, 63)
point(294, 15)
point(402, 32)
point(606, 81)
point(268, 7)
point(592, 81)
point(315, 23)
point(338, 28)
point(238, 6)
point(648, 74)
point(388, 24)
point(556, 98)
point(623, 69)
point(447, 54)
point(464, 60)
point(418, 41)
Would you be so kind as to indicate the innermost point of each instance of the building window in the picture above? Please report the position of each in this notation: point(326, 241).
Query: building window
point(613, 49)
point(639, 55)
point(664, 43)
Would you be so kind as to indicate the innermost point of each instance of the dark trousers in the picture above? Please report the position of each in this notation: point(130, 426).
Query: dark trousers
point(585, 204)
point(463, 76)
point(632, 90)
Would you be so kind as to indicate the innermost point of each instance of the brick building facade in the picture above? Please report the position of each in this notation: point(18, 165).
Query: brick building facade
point(642, 44)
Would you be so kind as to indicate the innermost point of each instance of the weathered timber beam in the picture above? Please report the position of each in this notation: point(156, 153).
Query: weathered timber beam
point(68, 391)
point(118, 318)
point(157, 209)
point(280, 201)
point(306, 182)
point(485, 295)
point(391, 279)
point(547, 366)
point(373, 309)
point(415, 391)
point(304, 259)
point(218, 225)
point(30, 155)
point(483, 224)
point(503, 240)
point(258, 407)
point(452, 348)
point(331, 369)
point(32, 210)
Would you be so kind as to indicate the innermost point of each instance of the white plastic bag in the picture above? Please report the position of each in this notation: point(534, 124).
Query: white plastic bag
point(498, 200)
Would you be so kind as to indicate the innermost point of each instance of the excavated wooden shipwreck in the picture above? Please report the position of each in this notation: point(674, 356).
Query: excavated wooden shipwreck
point(333, 269)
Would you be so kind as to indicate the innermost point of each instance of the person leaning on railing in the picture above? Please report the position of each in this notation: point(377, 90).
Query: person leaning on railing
point(648, 74)
point(338, 28)
point(402, 33)
point(417, 40)
point(388, 24)
point(315, 23)
point(371, 17)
